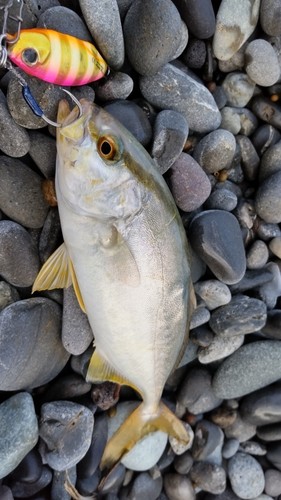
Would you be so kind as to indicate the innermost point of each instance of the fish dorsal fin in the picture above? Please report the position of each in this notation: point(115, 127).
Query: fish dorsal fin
point(76, 287)
point(121, 264)
point(100, 371)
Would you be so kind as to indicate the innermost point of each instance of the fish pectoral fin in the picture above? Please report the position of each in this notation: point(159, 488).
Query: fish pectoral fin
point(138, 425)
point(55, 273)
point(100, 371)
point(76, 287)
point(122, 264)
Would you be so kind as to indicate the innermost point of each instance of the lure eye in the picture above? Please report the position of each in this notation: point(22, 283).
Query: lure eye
point(30, 56)
point(107, 148)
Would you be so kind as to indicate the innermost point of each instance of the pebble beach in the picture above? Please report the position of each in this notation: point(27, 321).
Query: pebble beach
point(198, 83)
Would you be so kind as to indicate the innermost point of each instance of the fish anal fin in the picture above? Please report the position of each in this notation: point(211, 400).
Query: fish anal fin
point(100, 371)
point(55, 273)
point(77, 288)
point(137, 426)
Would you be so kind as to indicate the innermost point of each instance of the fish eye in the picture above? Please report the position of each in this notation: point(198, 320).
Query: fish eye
point(30, 56)
point(107, 148)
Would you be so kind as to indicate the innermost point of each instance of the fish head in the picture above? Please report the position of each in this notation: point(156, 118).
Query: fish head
point(97, 163)
point(31, 52)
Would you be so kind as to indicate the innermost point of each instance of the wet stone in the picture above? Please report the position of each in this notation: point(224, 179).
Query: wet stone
point(270, 18)
point(178, 487)
point(213, 292)
point(144, 486)
point(221, 199)
point(242, 315)
point(170, 134)
point(257, 255)
point(152, 40)
point(216, 236)
point(239, 89)
point(19, 263)
point(25, 206)
point(251, 367)
point(272, 482)
point(270, 161)
point(207, 444)
point(66, 430)
point(27, 490)
point(104, 23)
point(246, 476)
point(43, 152)
point(8, 295)
point(87, 486)
point(116, 86)
point(196, 392)
point(20, 437)
point(220, 348)
point(199, 17)
point(195, 54)
point(215, 151)
point(15, 141)
point(133, 118)
point(261, 63)
point(208, 477)
point(171, 88)
point(189, 184)
point(58, 483)
point(64, 20)
point(263, 407)
point(74, 320)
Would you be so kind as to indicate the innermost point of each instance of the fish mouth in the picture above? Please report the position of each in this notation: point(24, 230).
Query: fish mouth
point(66, 116)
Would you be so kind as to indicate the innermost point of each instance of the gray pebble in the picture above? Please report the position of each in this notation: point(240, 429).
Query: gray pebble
point(189, 354)
point(207, 444)
point(235, 23)
point(43, 152)
point(264, 137)
point(257, 255)
point(14, 140)
point(238, 120)
point(240, 430)
point(36, 322)
point(251, 367)
point(178, 487)
point(270, 291)
point(195, 54)
point(23, 489)
point(64, 20)
point(230, 447)
point(262, 407)
point(116, 86)
point(239, 89)
point(246, 476)
point(220, 348)
point(104, 23)
point(152, 40)
point(171, 88)
point(270, 17)
point(26, 206)
point(50, 235)
point(266, 110)
point(199, 317)
point(58, 484)
point(19, 260)
point(199, 16)
point(221, 199)
point(183, 463)
point(270, 161)
point(267, 231)
point(90, 462)
point(216, 236)
point(202, 336)
point(133, 118)
point(213, 292)
point(66, 430)
point(77, 334)
point(18, 432)
point(208, 477)
point(68, 386)
point(79, 364)
point(261, 63)
point(215, 151)
point(253, 448)
point(8, 295)
point(84, 92)
point(242, 315)
point(253, 278)
point(196, 392)
point(170, 134)
point(270, 432)
point(144, 486)
point(249, 157)
point(6, 493)
point(272, 482)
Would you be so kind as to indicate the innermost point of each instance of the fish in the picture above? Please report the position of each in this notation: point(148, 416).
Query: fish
point(56, 57)
point(125, 251)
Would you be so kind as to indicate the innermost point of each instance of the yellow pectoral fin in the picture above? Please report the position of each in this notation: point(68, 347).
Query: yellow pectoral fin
point(100, 371)
point(55, 273)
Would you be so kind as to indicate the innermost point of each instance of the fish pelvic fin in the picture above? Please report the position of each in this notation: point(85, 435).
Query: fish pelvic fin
point(137, 426)
point(100, 371)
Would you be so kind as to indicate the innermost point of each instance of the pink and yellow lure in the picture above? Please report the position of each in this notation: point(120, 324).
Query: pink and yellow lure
point(56, 57)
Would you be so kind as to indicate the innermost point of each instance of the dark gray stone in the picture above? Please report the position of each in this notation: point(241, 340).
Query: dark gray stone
point(266, 231)
point(8, 295)
point(207, 444)
point(253, 278)
point(208, 477)
point(199, 16)
point(270, 432)
point(221, 199)
point(270, 291)
point(70, 386)
point(64, 20)
point(116, 86)
point(253, 448)
point(145, 486)
point(133, 118)
point(23, 489)
point(266, 110)
point(30, 468)
point(90, 462)
point(274, 454)
point(240, 430)
point(18, 432)
point(263, 406)
point(30, 331)
point(171, 88)
point(199, 317)
point(183, 463)
point(270, 20)
point(270, 161)
point(43, 152)
point(265, 137)
point(50, 235)
point(195, 54)
point(249, 157)
point(58, 484)
point(14, 140)
point(77, 334)
point(246, 476)
point(196, 392)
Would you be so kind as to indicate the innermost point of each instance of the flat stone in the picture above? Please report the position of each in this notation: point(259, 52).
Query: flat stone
point(266, 110)
point(29, 469)
point(269, 433)
point(58, 483)
point(199, 317)
point(230, 447)
point(74, 320)
point(249, 157)
point(271, 290)
point(238, 120)
point(171, 88)
point(90, 462)
point(268, 202)
point(270, 163)
point(22, 489)
point(265, 137)
point(253, 448)
point(251, 367)
point(196, 392)
point(19, 431)
point(246, 476)
point(15, 141)
point(261, 63)
point(183, 463)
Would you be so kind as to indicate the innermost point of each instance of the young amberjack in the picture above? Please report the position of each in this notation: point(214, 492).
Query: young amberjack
point(125, 251)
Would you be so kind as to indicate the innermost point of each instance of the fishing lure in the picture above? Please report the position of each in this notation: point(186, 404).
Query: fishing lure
point(56, 57)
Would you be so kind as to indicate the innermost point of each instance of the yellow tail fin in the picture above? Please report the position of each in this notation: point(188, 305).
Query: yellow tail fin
point(138, 425)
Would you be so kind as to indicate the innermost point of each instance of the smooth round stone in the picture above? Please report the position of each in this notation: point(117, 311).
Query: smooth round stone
point(152, 40)
point(117, 86)
point(19, 260)
point(208, 477)
point(145, 486)
point(178, 487)
point(253, 448)
point(221, 199)
point(265, 137)
point(90, 462)
point(257, 255)
point(183, 463)
point(15, 141)
point(213, 292)
point(266, 110)
point(30, 329)
point(270, 161)
point(189, 184)
point(215, 151)
point(66, 430)
point(272, 482)
point(133, 118)
point(18, 431)
point(207, 444)
point(271, 290)
point(262, 407)
point(238, 120)
point(267, 231)
point(58, 483)
point(74, 320)
point(43, 152)
point(251, 367)
point(199, 317)
point(199, 16)
point(269, 433)
point(25, 206)
point(8, 295)
point(249, 157)
point(202, 336)
point(22, 489)
point(246, 476)
point(216, 236)
point(230, 447)
point(171, 88)
point(239, 89)
point(146, 453)
point(170, 134)
point(270, 17)
point(196, 392)
point(272, 327)
point(104, 23)
point(242, 315)
point(220, 348)
point(64, 20)
point(240, 430)
point(195, 54)
point(235, 23)
point(261, 63)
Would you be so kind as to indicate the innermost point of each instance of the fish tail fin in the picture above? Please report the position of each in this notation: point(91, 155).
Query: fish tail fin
point(138, 425)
